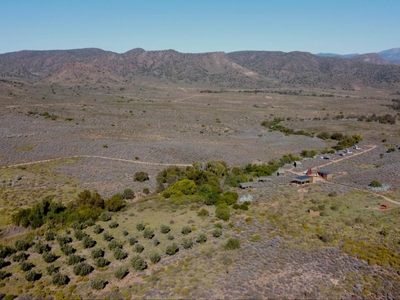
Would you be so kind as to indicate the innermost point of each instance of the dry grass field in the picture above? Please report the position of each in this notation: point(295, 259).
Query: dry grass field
point(59, 140)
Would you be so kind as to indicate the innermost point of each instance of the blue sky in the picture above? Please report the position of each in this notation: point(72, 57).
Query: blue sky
point(193, 26)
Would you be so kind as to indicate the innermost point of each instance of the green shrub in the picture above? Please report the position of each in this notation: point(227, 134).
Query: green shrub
point(80, 235)
point(4, 274)
point(41, 247)
point(98, 283)
point(52, 269)
point(154, 257)
point(121, 272)
point(141, 176)
point(74, 259)
point(201, 238)
point(6, 251)
point(67, 249)
point(49, 257)
point(107, 236)
point(26, 266)
point(49, 235)
point(32, 276)
point(140, 226)
point(165, 229)
point(4, 263)
point(77, 226)
point(138, 263)
point(146, 191)
point(114, 244)
point(82, 269)
point(129, 194)
point(22, 245)
point(97, 229)
point(170, 237)
point(148, 233)
point(244, 206)
point(203, 213)
point(222, 212)
point(89, 222)
point(115, 203)
point(132, 241)
point(101, 262)
point(88, 242)
point(19, 257)
point(113, 224)
point(63, 239)
point(375, 183)
point(172, 249)
point(187, 243)
point(119, 254)
point(186, 230)
point(156, 242)
point(139, 248)
point(105, 216)
point(232, 244)
point(324, 135)
point(97, 252)
point(60, 279)
point(125, 233)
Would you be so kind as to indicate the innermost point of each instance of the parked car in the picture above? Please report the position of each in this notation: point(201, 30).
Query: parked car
point(356, 147)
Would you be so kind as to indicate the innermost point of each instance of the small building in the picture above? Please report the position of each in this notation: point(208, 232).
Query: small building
point(246, 185)
point(263, 179)
point(325, 174)
point(280, 172)
point(303, 179)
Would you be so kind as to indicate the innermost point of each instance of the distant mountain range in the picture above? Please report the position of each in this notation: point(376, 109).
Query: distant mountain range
point(391, 56)
point(245, 69)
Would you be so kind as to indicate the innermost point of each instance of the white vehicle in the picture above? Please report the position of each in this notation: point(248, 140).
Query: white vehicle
point(347, 151)
point(356, 147)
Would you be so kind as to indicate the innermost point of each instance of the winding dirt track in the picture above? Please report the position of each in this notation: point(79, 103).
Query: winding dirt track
point(94, 156)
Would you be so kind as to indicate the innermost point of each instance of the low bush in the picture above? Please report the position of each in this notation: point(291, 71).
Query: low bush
point(22, 245)
point(4, 274)
point(89, 222)
point(232, 244)
point(132, 241)
point(125, 233)
point(107, 236)
point(203, 213)
point(88, 242)
point(139, 248)
point(186, 230)
point(201, 238)
point(6, 251)
point(60, 279)
point(140, 226)
point(82, 269)
point(119, 254)
point(138, 263)
point(129, 194)
point(98, 283)
point(156, 242)
point(32, 276)
point(115, 203)
point(80, 235)
point(154, 257)
point(74, 259)
point(50, 235)
point(26, 266)
point(222, 212)
point(217, 232)
point(148, 233)
point(41, 247)
point(101, 262)
point(375, 183)
point(165, 229)
point(67, 249)
point(4, 263)
point(121, 272)
point(113, 224)
point(64, 239)
point(96, 253)
point(141, 176)
point(105, 216)
point(78, 226)
point(172, 249)
point(52, 269)
point(187, 243)
point(19, 257)
point(170, 237)
point(114, 244)
point(49, 257)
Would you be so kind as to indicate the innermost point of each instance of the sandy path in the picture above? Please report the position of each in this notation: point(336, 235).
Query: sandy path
point(94, 156)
